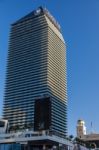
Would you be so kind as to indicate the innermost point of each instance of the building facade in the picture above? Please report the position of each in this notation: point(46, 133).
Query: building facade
point(81, 128)
point(35, 91)
point(91, 140)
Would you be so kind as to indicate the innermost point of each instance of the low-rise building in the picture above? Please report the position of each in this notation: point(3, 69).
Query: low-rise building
point(91, 139)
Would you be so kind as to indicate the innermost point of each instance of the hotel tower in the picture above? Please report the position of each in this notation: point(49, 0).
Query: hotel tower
point(35, 90)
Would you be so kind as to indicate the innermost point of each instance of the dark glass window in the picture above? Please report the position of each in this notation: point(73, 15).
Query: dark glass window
point(42, 114)
point(2, 123)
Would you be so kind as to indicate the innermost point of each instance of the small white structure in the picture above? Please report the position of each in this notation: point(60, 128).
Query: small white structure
point(81, 129)
point(3, 126)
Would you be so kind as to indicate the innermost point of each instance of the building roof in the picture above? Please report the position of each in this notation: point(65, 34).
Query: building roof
point(39, 11)
point(91, 137)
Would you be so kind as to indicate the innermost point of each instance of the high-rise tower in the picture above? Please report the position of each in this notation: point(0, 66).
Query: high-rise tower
point(35, 94)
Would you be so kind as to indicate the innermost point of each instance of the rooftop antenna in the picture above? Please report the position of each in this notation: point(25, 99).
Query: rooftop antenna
point(91, 127)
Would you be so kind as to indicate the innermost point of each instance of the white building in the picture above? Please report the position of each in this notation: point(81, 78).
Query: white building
point(81, 129)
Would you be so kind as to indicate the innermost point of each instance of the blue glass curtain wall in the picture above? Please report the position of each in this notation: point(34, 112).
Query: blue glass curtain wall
point(10, 147)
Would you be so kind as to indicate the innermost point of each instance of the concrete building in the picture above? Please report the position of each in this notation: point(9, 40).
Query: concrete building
point(90, 139)
point(35, 91)
point(29, 140)
point(81, 128)
point(4, 126)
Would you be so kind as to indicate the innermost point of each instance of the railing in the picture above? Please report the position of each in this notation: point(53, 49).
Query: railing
point(21, 134)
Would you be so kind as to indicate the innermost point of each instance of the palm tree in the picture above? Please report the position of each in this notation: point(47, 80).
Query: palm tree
point(71, 137)
point(15, 128)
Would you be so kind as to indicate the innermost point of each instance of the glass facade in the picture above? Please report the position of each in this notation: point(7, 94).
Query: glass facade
point(11, 147)
point(36, 69)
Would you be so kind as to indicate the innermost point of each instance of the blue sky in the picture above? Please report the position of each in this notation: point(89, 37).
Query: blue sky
point(79, 20)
